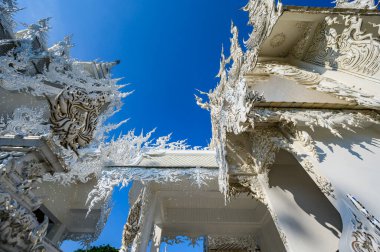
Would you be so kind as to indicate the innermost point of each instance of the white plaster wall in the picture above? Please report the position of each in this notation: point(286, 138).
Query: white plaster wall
point(352, 164)
point(305, 215)
point(269, 239)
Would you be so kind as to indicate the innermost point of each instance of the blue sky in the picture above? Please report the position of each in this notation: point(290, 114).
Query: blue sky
point(167, 48)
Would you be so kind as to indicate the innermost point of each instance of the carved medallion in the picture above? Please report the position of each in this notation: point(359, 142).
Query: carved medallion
point(278, 40)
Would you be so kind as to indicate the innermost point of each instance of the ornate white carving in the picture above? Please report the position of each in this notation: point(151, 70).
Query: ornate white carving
point(74, 115)
point(366, 228)
point(191, 240)
point(329, 119)
point(25, 121)
point(299, 49)
point(263, 14)
point(19, 227)
point(132, 227)
point(315, 81)
point(356, 4)
point(352, 49)
point(224, 242)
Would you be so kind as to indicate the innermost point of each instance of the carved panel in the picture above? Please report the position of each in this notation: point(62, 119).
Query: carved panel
point(231, 243)
point(352, 49)
point(74, 114)
point(131, 227)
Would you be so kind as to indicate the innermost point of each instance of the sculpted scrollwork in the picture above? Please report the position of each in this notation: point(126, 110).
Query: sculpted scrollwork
point(74, 114)
point(366, 228)
point(353, 49)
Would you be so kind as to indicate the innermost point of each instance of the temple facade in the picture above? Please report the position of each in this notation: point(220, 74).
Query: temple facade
point(293, 163)
point(296, 137)
point(50, 106)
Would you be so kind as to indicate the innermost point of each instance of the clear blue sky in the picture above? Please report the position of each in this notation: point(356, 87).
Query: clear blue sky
point(167, 49)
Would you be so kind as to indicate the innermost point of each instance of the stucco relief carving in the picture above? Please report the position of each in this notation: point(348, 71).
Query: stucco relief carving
point(366, 228)
point(74, 114)
point(277, 40)
point(136, 221)
point(25, 121)
point(352, 49)
point(250, 155)
point(263, 14)
point(20, 173)
point(316, 81)
point(222, 243)
point(19, 227)
point(356, 4)
point(132, 227)
point(299, 49)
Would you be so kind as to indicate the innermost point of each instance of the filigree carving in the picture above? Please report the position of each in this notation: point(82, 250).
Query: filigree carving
point(306, 156)
point(352, 49)
point(25, 121)
point(263, 14)
point(175, 239)
point(74, 114)
point(224, 242)
point(19, 228)
point(131, 227)
point(356, 4)
point(250, 158)
point(332, 120)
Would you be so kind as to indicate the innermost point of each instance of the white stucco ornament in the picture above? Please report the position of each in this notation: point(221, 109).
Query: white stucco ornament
point(356, 4)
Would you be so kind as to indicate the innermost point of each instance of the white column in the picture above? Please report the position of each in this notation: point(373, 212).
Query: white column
point(156, 241)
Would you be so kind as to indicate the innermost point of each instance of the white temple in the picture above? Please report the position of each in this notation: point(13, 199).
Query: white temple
point(293, 164)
